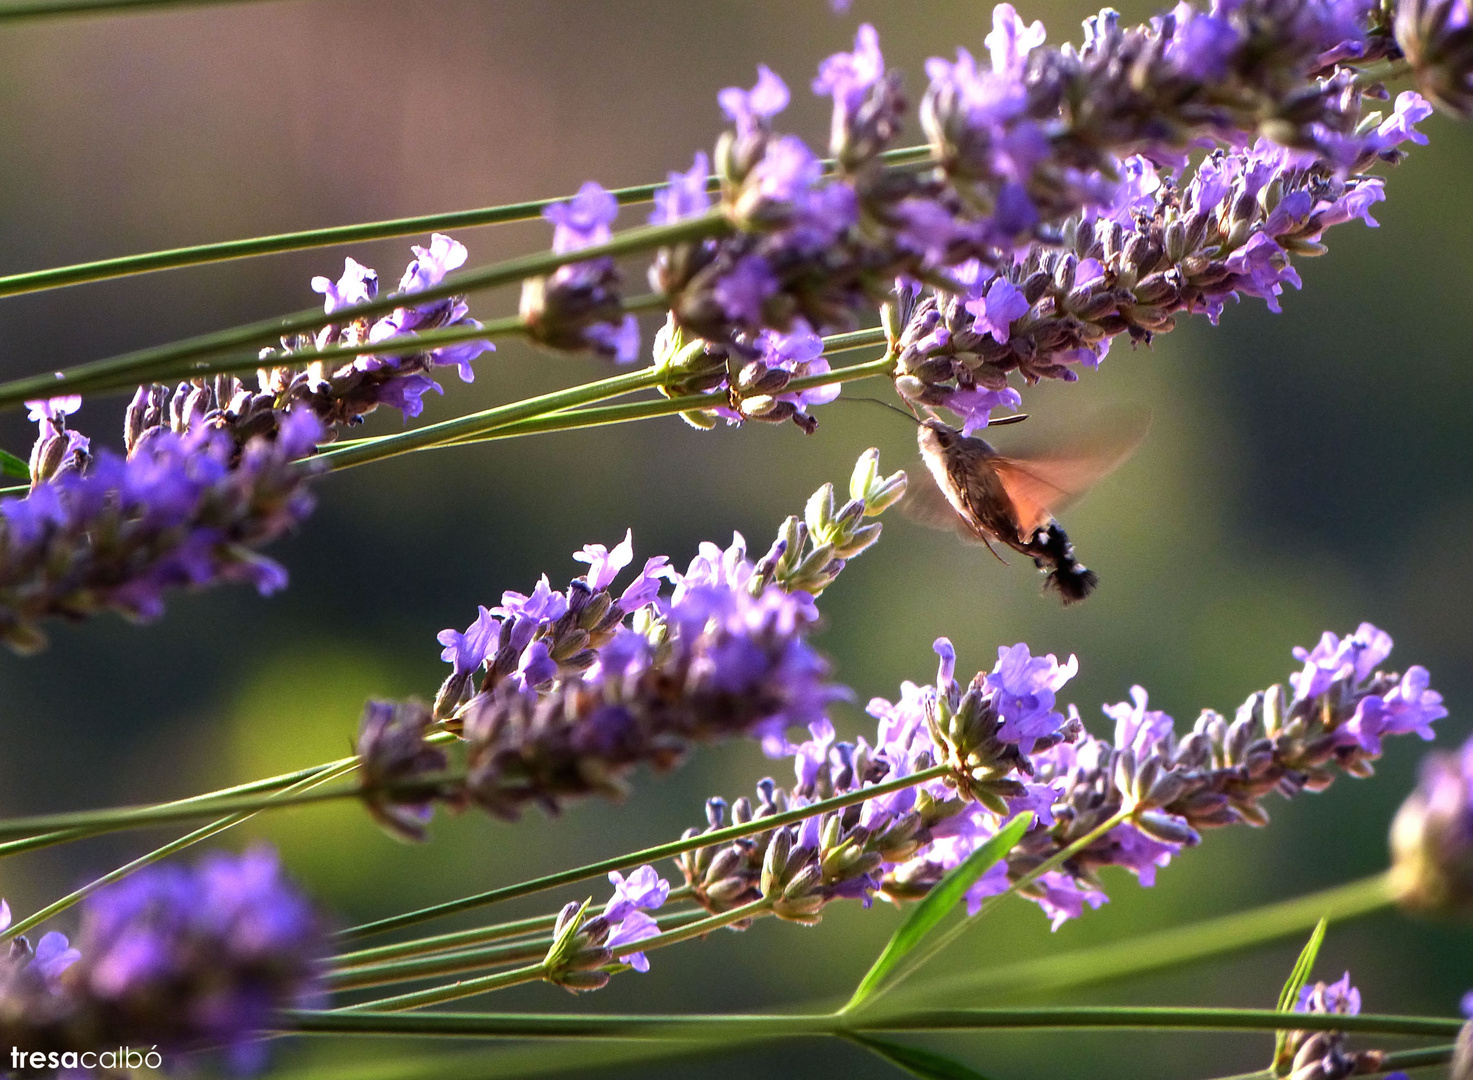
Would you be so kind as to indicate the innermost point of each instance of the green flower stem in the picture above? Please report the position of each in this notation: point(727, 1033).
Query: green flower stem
point(171, 848)
point(675, 1027)
point(576, 419)
point(274, 783)
point(142, 817)
point(459, 962)
point(174, 258)
point(474, 424)
point(436, 995)
point(480, 935)
point(941, 940)
point(17, 10)
point(459, 939)
point(640, 858)
point(268, 331)
point(1178, 945)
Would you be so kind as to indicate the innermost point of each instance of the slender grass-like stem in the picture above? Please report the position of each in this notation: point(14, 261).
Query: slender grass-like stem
point(171, 848)
point(478, 423)
point(249, 361)
point(19, 10)
point(464, 960)
point(273, 783)
point(639, 858)
point(440, 994)
point(460, 939)
point(1175, 946)
point(268, 331)
point(116, 819)
point(573, 419)
point(57, 277)
point(718, 1026)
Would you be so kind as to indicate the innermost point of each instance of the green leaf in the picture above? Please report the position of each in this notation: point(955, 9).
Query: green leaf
point(1297, 978)
point(916, 1061)
point(922, 918)
point(10, 465)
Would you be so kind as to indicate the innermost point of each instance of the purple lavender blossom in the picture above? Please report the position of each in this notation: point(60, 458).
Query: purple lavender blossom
point(998, 308)
point(178, 959)
point(643, 889)
point(743, 291)
point(684, 194)
point(1009, 750)
point(635, 927)
point(1325, 1053)
point(583, 220)
point(1336, 997)
point(180, 511)
point(751, 109)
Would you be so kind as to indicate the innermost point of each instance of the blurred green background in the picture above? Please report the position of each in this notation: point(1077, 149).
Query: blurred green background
point(1305, 471)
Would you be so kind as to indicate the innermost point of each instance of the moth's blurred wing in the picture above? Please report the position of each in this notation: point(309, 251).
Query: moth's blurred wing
point(924, 503)
point(1040, 484)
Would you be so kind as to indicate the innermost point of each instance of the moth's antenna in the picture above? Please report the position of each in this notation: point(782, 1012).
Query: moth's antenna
point(1001, 421)
point(884, 405)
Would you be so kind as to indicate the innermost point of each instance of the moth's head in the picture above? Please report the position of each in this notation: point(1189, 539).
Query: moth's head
point(937, 437)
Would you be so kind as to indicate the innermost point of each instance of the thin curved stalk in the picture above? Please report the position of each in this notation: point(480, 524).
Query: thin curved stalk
point(224, 251)
point(121, 818)
point(461, 939)
point(639, 858)
point(466, 960)
point(171, 848)
point(677, 1027)
point(568, 419)
point(31, 843)
point(1173, 947)
point(268, 331)
point(20, 10)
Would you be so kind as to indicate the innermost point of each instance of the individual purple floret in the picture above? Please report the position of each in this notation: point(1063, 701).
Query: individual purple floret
point(1313, 1055)
point(684, 194)
point(579, 306)
point(180, 511)
point(56, 448)
point(176, 959)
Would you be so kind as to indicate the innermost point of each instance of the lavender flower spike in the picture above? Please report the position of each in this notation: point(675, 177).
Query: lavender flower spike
point(176, 959)
point(560, 694)
point(179, 511)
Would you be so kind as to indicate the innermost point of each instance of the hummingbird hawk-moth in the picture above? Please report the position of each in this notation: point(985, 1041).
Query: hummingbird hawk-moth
point(986, 496)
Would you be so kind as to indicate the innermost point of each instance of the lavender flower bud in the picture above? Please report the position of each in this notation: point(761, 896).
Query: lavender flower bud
point(1432, 837)
point(1436, 36)
point(392, 751)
